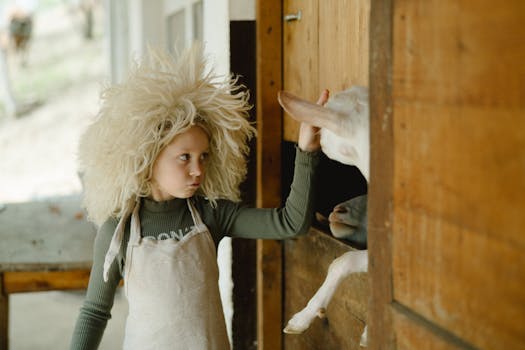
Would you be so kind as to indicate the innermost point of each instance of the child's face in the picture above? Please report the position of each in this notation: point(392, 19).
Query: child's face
point(180, 167)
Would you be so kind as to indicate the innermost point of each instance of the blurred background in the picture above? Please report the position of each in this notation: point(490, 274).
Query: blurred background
point(55, 57)
point(54, 75)
point(54, 60)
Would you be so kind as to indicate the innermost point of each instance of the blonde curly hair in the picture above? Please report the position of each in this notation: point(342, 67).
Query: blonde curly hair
point(161, 98)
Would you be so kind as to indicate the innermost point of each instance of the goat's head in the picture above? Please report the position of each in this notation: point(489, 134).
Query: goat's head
point(348, 220)
point(344, 123)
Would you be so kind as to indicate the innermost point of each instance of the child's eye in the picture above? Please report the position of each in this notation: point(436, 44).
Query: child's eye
point(184, 157)
point(205, 156)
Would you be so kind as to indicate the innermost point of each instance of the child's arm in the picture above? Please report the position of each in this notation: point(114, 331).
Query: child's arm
point(95, 311)
point(296, 216)
point(278, 223)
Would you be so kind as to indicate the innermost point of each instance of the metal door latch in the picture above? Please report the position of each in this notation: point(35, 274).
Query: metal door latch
point(293, 16)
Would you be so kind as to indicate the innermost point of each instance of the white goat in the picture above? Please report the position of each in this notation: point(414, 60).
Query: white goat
point(344, 123)
point(345, 137)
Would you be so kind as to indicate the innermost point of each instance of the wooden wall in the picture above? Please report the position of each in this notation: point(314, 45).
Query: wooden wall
point(447, 224)
point(315, 55)
point(447, 94)
point(269, 131)
point(327, 48)
point(306, 262)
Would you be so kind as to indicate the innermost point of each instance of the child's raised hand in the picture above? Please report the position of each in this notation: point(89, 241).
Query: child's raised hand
point(309, 138)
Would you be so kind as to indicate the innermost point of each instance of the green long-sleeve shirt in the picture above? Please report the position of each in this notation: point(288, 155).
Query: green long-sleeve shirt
point(172, 219)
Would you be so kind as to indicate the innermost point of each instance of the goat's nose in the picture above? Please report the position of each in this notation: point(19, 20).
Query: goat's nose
point(340, 209)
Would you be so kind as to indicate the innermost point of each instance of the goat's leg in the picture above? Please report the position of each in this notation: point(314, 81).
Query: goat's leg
point(342, 267)
point(364, 338)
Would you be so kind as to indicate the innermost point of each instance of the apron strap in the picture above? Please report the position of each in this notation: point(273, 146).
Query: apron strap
point(196, 217)
point(116, 241)
point(134, 236)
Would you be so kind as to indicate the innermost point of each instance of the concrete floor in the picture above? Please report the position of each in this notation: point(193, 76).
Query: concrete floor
point(45, 320)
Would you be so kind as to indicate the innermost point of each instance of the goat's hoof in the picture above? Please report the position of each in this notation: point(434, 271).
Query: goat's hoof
point(363, 342)
point(292, 330)
point(295, 326)
point(299, 322)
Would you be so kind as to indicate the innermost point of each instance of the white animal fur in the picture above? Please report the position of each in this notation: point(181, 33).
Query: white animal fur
point(344, 123)
point(345, 137)
point(342, 267)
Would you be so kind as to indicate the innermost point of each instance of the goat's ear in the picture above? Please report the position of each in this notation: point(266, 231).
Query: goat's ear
point(308, 112)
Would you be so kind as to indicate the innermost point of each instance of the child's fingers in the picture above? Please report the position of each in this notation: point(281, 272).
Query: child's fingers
point(323, 97)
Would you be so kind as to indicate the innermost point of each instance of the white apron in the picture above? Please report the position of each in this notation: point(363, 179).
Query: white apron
point(172, 289)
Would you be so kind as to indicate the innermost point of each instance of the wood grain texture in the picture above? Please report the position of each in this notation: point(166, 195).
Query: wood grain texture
point(306, 264)
point(459, 167)
point(16, 282)
point(344, 27)
point(300, 57)
point(327, 49)
point(269, 129)
point(460, 53)
point(411, 334)
point(4, 315)
point(269, 112)
point(47, 234)
point(380, 189)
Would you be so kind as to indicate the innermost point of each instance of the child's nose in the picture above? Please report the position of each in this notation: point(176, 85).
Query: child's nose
point(196, 169)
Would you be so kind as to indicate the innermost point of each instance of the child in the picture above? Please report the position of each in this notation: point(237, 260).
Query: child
point(161, 167)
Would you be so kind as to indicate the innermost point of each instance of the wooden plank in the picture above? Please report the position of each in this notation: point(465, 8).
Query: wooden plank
point(477, 296)
point(343, 44)
point(479, 61)
point(269, 130)
point(269, 82)
point(380, 191)
point(47, 234)
point(436, 76)
point(474, 179)
point(469, 201)
point(4, 316)
point(459, 162)
point(269, 295)
point(307, 259)
point(300, 57)
point(411, 334)
point(327, 48)
point(16, 282)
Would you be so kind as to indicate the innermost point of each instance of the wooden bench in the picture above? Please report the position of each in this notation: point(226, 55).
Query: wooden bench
point(45, 245)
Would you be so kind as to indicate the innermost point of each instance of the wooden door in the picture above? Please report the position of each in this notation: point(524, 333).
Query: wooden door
point(326, 48)
point(448, 134)
point(300, 56)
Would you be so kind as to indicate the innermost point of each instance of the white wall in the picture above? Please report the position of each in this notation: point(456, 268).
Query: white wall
point(145, 28)
point(242, 10)
point(135, 24)
point(217, 34)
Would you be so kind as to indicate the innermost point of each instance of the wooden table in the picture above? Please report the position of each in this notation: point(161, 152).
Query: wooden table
point(45, 245)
